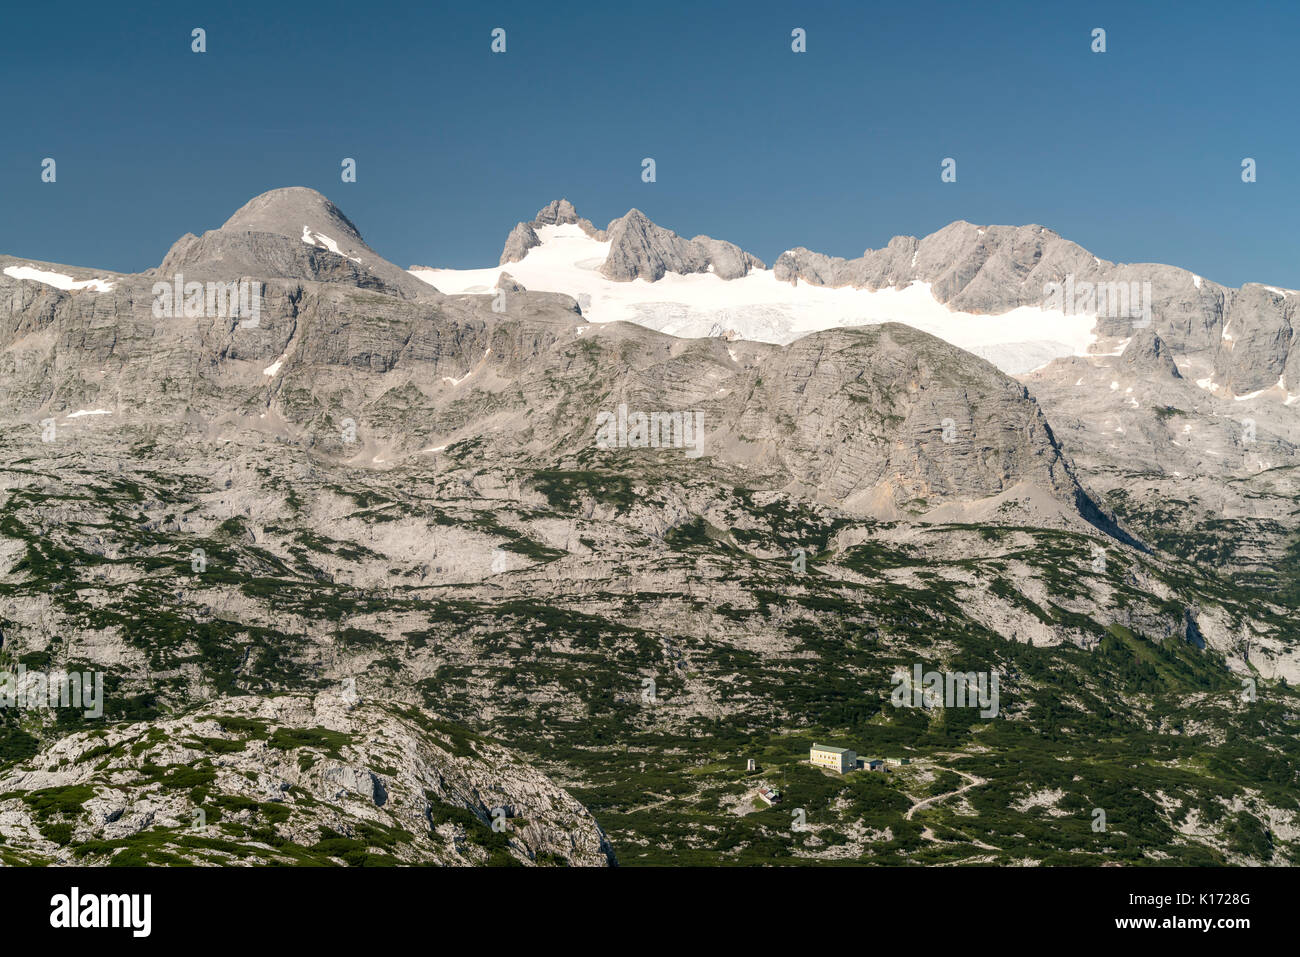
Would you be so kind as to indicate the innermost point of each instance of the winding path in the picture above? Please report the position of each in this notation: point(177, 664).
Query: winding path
point(974, 783)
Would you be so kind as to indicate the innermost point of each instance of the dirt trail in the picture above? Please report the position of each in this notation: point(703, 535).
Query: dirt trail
point(974, 783)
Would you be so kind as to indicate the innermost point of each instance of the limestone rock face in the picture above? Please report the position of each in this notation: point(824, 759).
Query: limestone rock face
point(1147, 353)
point(640, 249)
point(889, 408)
point(1258, 347)
point(521, 239)
point(725, 259)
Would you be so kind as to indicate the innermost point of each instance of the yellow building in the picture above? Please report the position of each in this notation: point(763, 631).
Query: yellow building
point(837, 759)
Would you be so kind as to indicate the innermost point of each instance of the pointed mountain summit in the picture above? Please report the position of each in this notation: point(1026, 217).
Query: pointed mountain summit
point(288, 211)
point(290, 233)
point(558, 212)
point(640, 249)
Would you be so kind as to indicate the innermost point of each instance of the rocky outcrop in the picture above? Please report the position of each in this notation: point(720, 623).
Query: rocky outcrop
point(560, 212)
point(521, 239)
point(1258, 343)
point(883, 416)
point(1147, 353)
point(332, 778)
point(508, 283)
point(524, 237)
point(641, 250)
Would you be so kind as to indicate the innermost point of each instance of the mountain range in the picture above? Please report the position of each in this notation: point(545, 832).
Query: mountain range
point(390, 481)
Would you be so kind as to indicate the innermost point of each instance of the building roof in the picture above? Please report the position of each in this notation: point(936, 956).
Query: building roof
point(822, 747)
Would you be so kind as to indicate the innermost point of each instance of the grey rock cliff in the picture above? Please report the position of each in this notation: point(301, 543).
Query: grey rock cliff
point(640, 249)
point(521, 239)
point(1147, 353)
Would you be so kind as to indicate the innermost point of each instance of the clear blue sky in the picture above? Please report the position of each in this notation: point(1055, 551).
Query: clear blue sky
point(1134, 154)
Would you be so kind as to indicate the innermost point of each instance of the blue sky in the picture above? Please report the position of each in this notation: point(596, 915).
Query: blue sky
point(1135, 153)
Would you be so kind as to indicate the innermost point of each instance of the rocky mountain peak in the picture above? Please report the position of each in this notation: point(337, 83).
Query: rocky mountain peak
point(290, 233)
point(641, 249)
point(287, 211)
point(556, 213)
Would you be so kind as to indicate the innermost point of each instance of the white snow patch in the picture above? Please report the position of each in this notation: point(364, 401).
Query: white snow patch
point(57, 279)
point(80, 412)
point(762, 309)
point(320, 239)
point(274, 368)
point(1119, 350)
